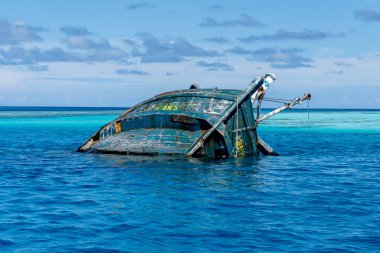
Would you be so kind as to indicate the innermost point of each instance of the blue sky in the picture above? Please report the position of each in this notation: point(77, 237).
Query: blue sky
point(117, 53)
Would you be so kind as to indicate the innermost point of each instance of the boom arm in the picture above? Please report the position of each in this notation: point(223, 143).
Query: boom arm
point(307, 96)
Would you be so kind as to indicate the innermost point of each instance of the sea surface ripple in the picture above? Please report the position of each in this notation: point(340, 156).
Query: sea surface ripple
point(321, 195)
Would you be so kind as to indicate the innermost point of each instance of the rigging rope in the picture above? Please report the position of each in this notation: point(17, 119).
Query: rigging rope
point(277, 100)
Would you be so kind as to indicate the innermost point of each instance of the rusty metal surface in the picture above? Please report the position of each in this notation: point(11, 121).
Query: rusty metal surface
point(195, 122)
point(170, 122)
point(147, 141)
point(233, 110)
point(264, 148)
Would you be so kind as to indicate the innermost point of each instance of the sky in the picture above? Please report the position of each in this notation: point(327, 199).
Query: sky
point(118, 53)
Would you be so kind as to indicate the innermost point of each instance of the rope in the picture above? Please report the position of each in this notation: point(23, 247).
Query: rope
point(277, 100)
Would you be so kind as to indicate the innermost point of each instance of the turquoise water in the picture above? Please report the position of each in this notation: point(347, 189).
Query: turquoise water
point(321, 194)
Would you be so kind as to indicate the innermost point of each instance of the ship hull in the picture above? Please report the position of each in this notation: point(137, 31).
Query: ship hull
point(170, 123)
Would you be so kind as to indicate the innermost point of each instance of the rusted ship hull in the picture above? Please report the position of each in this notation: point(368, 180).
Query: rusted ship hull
point(192, 122)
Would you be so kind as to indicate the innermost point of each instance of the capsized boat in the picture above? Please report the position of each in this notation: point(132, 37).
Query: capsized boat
point(192, 122)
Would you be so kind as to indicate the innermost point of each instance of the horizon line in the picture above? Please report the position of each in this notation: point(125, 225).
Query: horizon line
point(128, 107)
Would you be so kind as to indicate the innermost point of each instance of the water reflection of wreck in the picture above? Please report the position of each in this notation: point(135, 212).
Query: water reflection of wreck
point(193, 122)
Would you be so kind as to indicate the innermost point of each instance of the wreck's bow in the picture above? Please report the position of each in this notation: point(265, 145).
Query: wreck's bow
point(193, 122)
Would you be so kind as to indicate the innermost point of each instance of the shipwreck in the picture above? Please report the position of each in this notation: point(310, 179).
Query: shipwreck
point(192, 122)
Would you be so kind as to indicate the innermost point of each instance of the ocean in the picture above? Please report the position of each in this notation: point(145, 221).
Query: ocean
point(322, 194)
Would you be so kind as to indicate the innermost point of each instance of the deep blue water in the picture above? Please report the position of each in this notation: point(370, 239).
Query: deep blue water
point(321, 195)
